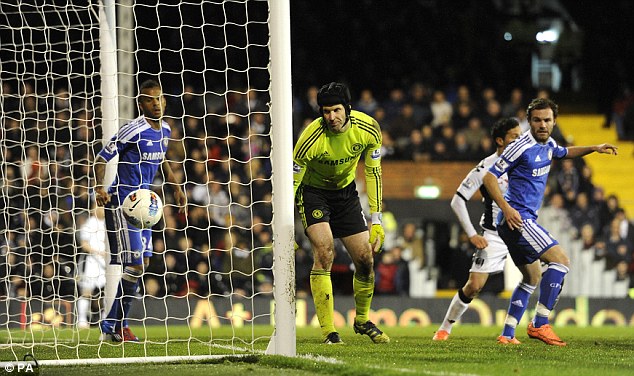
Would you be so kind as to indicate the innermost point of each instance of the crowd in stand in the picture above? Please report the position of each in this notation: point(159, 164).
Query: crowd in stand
point(222, 147)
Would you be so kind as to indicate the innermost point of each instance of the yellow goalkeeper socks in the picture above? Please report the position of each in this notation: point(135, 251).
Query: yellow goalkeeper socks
point(321, 287)
point(363, 292)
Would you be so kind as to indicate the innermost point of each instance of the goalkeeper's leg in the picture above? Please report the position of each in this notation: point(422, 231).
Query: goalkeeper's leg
point(360, 251)
point(321, 288)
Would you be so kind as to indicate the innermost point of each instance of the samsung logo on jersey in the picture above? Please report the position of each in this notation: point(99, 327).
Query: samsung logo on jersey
point(541, 171)
point(336, 162)
point(152, 156)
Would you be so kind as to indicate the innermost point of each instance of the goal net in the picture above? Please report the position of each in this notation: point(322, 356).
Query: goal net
point(214, 286)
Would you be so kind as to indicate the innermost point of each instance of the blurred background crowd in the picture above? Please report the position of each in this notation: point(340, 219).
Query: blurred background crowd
point(221, 148)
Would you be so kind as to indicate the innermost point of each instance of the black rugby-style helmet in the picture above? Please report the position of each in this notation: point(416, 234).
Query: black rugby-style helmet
point(332, 94)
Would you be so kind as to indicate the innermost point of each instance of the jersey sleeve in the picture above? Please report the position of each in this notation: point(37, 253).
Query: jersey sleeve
point(472, 182)
point(299, 169)
point(559, 152)
point(112, 148)
point(501, 165)
point(373, 173)
point(301, 156)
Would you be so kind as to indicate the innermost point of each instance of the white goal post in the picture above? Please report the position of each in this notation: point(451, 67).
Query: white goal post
point(221, 281)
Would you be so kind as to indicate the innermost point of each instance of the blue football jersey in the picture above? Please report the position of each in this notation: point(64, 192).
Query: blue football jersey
point(141, 151)
point(527, 164)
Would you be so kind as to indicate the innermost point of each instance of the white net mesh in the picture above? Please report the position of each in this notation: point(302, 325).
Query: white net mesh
point(210, 279)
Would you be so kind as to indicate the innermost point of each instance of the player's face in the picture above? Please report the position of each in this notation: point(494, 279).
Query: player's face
point(542, 123)
point(511, 135)
point(152, 103)
point(335, 117)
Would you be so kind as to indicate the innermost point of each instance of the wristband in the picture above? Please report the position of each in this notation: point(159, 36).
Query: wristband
point(376, 218)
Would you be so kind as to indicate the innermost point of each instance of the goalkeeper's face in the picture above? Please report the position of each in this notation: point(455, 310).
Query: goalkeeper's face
point(152, 103)
point(335, 117)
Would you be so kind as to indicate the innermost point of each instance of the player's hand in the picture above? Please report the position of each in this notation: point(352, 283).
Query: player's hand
point(377, 237)
point(607, 149)
point(101, 196)
point(513, 218)
point(478, 241)
point(181, 200)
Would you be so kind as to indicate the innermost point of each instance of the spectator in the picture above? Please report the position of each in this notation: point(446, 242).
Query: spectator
point(411, 244)
point(441, 109)
point(583, 212)
point(474, 133)
point(388, 147)
point(415, 148)
point(366, 103)
point(462, 115)
point(608, 211)
point(568, 181)
point(461, 149)
point(492, 113)
point(392, 274)
point(514, 104)
point(420, 102)
point(402, 125)
point(392, 106)
point(587, 235)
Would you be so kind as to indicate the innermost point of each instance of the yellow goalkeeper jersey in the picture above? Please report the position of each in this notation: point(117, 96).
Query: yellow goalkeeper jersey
point(327, 160)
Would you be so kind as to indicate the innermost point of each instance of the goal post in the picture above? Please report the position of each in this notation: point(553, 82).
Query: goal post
point(221, 280)
point(283, 340)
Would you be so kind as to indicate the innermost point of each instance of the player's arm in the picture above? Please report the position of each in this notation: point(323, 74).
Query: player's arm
point(511, 216)
point(468, 187)
point(580, 151)
point(299, 169)
point(101, 195)
point(374, 187)
point(301, 155)
point(179, 196)
point(459, 207)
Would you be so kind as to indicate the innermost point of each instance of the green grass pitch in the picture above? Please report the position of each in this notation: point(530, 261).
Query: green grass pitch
point(472, 350)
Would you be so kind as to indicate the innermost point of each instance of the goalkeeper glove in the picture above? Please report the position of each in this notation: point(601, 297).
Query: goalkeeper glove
point(377, 234)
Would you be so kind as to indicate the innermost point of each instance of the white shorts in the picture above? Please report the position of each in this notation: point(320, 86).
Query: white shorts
point(94, 274)
point(491, 259)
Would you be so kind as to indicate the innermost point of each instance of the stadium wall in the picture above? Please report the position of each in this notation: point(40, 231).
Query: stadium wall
point(391, 311)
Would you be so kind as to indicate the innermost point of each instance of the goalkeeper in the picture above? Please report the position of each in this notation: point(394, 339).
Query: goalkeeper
point(325, 164)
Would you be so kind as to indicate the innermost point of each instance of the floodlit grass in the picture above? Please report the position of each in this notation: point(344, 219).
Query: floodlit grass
point(472, 350)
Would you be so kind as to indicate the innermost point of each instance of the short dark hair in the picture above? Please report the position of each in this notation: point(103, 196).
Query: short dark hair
point(502, 126)
point(542, 104)
point(149, 84)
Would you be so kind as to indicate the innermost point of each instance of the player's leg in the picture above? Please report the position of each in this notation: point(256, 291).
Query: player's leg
point(116, 226)
point(313, 206)
point(360, 250)
point(535, 243)
point(132, 245)
point(519, 299)
point(552, 282)
point(348, 224)
point(83, 307)
point(550, 288)
point(460, 303)
point(486, 261)
point(323, 247)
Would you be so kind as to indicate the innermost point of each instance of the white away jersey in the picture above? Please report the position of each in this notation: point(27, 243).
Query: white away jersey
point(474, 182)
point(527, 164)
point(141, 151)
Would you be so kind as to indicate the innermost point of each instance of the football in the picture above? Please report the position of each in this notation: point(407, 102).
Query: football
point(142, 208)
